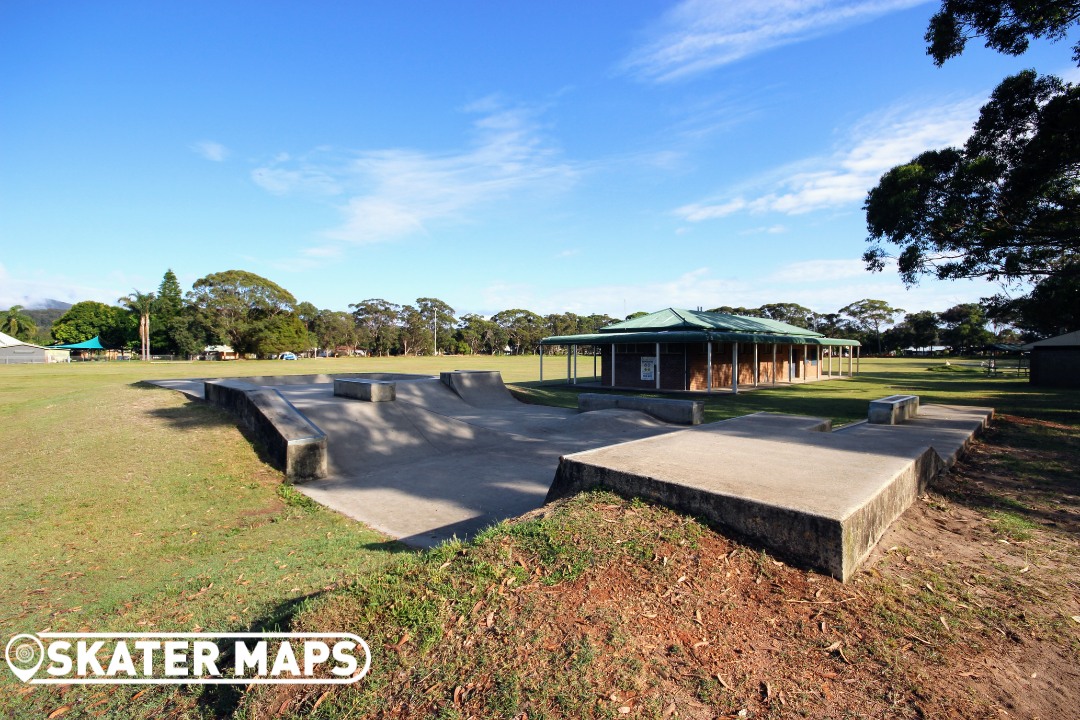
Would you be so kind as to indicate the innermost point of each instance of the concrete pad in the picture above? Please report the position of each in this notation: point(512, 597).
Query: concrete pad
point(366, 390)
point(819, 499)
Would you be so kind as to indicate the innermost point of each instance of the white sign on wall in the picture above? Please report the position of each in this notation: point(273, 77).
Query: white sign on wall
point(648, 368)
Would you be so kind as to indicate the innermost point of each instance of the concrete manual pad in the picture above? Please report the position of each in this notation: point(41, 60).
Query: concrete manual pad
point(820, 499)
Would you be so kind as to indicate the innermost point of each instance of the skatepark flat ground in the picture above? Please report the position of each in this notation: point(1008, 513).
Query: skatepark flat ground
point(432, 465)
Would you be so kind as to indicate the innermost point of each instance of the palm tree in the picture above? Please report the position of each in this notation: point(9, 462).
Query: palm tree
point(18, 324)
point(141, 303)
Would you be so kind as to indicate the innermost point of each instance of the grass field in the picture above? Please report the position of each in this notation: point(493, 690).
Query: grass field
point(128, 508)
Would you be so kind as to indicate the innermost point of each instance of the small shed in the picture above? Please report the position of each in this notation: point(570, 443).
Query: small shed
point(13, 350)
point(219, 352)
point(1055, 362)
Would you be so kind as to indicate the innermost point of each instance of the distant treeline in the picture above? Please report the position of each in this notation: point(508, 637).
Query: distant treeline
point(257, 317)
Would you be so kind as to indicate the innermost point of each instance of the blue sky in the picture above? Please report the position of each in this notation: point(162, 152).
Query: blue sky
point(557, 156)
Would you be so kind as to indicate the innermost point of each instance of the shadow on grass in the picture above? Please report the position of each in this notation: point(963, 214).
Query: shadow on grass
point(224, 700)
point(1024, 468)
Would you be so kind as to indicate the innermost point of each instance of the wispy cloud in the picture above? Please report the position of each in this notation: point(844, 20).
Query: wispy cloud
point(699, 35)
point(823, 285)
point(211, 150)
point(844, 177)
point(387, 194)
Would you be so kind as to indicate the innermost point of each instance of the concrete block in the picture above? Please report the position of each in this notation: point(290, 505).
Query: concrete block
point(893, 410)
point(367, 390)
point(821, 499)
point(682, 412)
point(294, 443)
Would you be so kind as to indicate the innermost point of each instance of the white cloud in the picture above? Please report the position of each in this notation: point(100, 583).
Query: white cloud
point(568, 253)
point(843, 178)
point(393, 193)
point(29, 291)
point(211, 150)
point(821, 285)
point(699, 35)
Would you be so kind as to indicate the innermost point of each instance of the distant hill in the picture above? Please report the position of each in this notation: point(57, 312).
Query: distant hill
point(49, 304)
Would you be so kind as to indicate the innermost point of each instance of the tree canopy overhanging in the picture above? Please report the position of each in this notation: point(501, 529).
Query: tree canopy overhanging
point(1008, 26)
point(1004, 207)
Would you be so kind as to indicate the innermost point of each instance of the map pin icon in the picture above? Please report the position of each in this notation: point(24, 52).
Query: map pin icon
point(21, 652)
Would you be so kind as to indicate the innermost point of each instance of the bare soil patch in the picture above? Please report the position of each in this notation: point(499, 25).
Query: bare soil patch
point(599, 607)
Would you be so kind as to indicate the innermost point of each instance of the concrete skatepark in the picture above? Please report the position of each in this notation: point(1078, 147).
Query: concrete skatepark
point(425, 459)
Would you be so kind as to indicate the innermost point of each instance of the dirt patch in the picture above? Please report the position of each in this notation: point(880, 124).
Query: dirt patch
point(600, 607)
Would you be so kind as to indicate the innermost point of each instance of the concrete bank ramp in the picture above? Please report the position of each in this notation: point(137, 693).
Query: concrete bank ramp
point(479, 388)
point(820, 499)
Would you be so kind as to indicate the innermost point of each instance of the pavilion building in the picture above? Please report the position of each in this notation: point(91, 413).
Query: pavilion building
point(686, 351)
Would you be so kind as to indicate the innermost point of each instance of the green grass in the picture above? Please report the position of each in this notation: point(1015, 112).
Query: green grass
point(128, 508)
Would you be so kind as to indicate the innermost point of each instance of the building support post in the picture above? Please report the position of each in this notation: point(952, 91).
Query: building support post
point(656, 367)
point(541, 364)
point(858, 356)
point(735, 368)
point(575, 364)
point(756, 366)
point(774, 364)
point(612, 364)
point(594, 349)
point(708, 366)
point(790, 364)
point(569, 352)
point(851, 361)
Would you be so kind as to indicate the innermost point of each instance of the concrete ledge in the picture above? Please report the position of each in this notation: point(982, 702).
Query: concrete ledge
point(893, 410)
point(368, 390)
point(683, 412)
point(293, 442)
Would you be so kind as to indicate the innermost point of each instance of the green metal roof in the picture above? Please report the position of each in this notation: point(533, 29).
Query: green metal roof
point(694, 336)
point(675, 319)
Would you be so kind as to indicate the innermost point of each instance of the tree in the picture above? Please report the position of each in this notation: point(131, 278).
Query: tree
point(965, 328)
point(245, 310)
point(524, 329)
point(925, 328)
point(1008, 25)
point(141, 304)
point(870, 316)
point(167, 323)
point(481, 334)
point(1005, 207)
point(414, 333)
point(377, 322)
point(440, 318)
point(88, 319)
point(334, 329)
point(791, 313)
point(18, 324)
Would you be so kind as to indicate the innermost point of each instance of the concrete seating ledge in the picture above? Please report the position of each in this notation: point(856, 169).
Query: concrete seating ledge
point(367, 390)
point(893, 410)
point(294, 443)
point(683, 412)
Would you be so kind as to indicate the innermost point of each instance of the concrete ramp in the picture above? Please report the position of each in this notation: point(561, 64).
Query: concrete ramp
point(479, 388)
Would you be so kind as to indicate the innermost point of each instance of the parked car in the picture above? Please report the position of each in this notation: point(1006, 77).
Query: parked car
point(287, 356)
